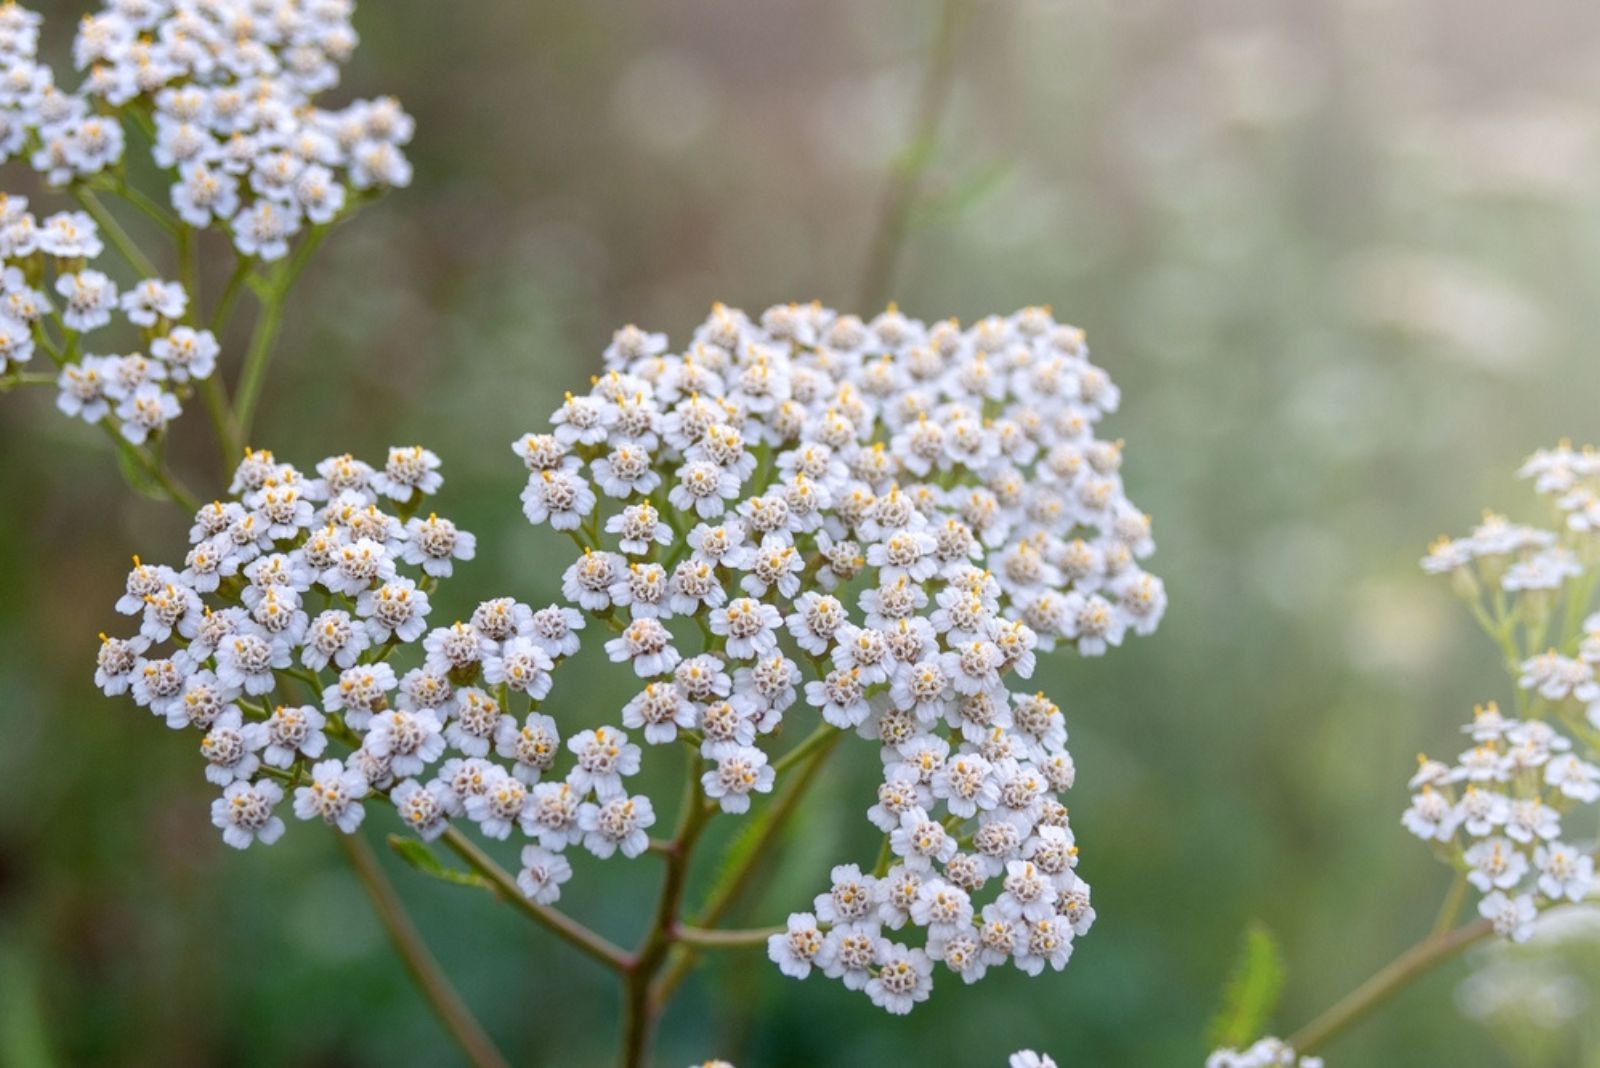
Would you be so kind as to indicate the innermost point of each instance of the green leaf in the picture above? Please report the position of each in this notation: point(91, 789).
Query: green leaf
point(137, 477)
point(1252, 991)
point(742, 849)
point(419, 856)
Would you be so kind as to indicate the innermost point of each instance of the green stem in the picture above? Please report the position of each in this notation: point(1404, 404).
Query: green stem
point(189, 270)
point(156, 212)
point(905, 174)
point(230, 292)
point(174, 489)
point(559, 924)
point(26, 379)
point(229, 446)
point(212, 394)
point(266, 332)
point(815, 740)
point(880, 866)
point(1450, 908)
point(639, 1008)
point(730, 939)
point(113, 230)
point(1396, 975)
point(734, 882)
point(1578, 598)
point(476, 1045)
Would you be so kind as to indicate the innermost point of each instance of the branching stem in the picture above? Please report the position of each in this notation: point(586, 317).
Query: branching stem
point(256, 359)
point(119, 237)
point(906, 171)
point(476, 1045)
point(561, 925)
point(1393, 977)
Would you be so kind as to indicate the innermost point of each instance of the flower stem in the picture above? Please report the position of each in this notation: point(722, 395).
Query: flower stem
point(219, 315)
point(259, 354)
point(735, 881)
point(726, 893)
point(1450, 908)
point(157, 213)
point(905, 174)
point(823, 735)
point(210, 388)
point(113, 230)
point(476, 1045)
point(639, 1009)
point(562, 926)
point(142, 459)
point(21, 378)
point(1392, 977)
point(702, 938)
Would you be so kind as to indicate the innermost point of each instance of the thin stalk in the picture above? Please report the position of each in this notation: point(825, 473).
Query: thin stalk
point(639, 1009)
point(817, 738)
point(248, 392)
point(880, 866)
point(701, 938)
point(476, 1045)
point(174, 489)
point(113, 230)
point(559, 924)
point(215, 397)
point(905, 173)
point(734, 882)
point(1394, 976)
point(26, 379)
point(230, 292)
point(1451, 906)
point(258, 356)
point(724, 895)
point(156, 212)
point(189, 269)
point(212, 394)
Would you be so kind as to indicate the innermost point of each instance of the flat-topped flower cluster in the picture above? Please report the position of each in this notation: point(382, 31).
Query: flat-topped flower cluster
point(298, 625)
point(1264, 1053)
point(222, 91)
point(1501, 811)
point(137, 394)
point(872, 526)
point(296, 630)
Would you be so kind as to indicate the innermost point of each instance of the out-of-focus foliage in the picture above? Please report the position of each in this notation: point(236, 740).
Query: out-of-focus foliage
point(1341, 255)
point(1252, 991)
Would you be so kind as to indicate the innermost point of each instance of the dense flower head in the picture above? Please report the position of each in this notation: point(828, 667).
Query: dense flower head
point(804, 521)
point(1263, 1053)
point(296, 639)
point(1027, 1058)
point(1501, 811)
point(52, 293)
point(222, 91)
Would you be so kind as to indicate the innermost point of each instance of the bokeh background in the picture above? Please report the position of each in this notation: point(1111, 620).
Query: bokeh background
point(1343, 256)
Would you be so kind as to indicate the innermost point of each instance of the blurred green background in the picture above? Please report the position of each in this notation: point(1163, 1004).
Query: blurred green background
point(1343, 256)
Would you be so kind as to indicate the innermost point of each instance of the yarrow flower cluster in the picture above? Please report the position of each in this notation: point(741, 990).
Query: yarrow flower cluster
point(136, 393)
point(1500, 813)
point(906, 513)
point(298, 625)
point(1264, 1053)
point(1027, 1058)
point(223, 91)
